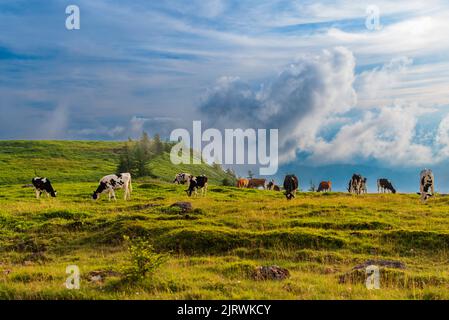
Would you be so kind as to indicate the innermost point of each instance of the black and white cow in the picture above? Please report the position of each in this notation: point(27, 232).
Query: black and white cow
point(357, 184)
point(364, 186)
point(427, 184)
point(113, 182)
point(182, 178)
point(290, 186)
point(43, 185)
point(197, 183)
point(385, 185)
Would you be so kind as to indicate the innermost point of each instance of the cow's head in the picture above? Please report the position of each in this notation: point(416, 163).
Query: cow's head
point(95, 195)
point(53, 193)
point(425, 196)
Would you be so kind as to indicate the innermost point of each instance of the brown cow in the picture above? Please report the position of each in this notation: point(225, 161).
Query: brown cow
point(256, 183)
point(242, 183)
point(325, 186)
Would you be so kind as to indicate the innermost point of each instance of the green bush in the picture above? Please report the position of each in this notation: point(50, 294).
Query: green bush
point(143, 260)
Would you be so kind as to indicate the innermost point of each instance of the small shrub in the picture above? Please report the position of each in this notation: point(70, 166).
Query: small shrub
point(143, 259)
point(228, 182)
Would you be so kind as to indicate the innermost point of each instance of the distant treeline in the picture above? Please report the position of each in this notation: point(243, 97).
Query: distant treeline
point(136, 154)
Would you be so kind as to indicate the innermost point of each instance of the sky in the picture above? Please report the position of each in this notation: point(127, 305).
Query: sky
point(338, 91)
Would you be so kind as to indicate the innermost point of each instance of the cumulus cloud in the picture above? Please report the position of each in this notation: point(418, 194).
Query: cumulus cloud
point(386, 135)
point(152, 125)
point(318, 91)
point(376, 86)
point(300, 98)
point(442, 138)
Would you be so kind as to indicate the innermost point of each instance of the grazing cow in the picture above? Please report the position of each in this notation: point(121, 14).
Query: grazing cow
point(182, 178)
point(290, 186)
point(43, 185)
point(113, 182)
point(364, 188)
point(325, 186)
point(196, 183)
point(427, 184)
point(256, 183)
point(385, 185)
point(242, 183)
point(272, 186)
point(357, 184)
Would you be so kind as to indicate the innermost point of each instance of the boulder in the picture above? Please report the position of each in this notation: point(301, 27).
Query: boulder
point(389, 271)
point(381, 263)
point(270, 273)
point(183, 205)
point(100, 275)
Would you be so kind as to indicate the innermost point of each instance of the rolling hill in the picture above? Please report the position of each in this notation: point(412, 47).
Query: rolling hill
point(212, 250)
point(81, 161)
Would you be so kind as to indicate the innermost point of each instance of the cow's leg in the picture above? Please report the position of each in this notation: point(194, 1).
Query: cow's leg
point(128, 192)
point(38, 194)
point(113, 195)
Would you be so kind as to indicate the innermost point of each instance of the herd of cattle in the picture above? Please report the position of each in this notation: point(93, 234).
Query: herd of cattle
point(357, 185)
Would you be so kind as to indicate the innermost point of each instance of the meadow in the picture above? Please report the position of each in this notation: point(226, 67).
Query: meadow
point(213, 249)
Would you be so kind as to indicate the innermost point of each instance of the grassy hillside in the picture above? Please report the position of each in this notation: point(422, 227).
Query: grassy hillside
point(79, 161)
point(213, 249)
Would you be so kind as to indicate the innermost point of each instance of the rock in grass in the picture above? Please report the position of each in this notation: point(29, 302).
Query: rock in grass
point(99, 276)
point(270, 273)
point(381, 263)
point(183, 205)
point(390, 271)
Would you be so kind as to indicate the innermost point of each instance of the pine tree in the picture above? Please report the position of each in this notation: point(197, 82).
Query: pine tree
point(158, 145)
point(126, 159)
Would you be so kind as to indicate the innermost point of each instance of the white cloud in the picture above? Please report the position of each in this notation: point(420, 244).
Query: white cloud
point(377, 85)
point(386, 135)
point(302, 97)
point(318, 91)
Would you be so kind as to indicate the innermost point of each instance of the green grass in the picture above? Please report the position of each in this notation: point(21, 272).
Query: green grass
point(80, 161)
point(213, 249)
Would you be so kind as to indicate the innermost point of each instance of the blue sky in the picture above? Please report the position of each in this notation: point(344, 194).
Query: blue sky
point(339, 93)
